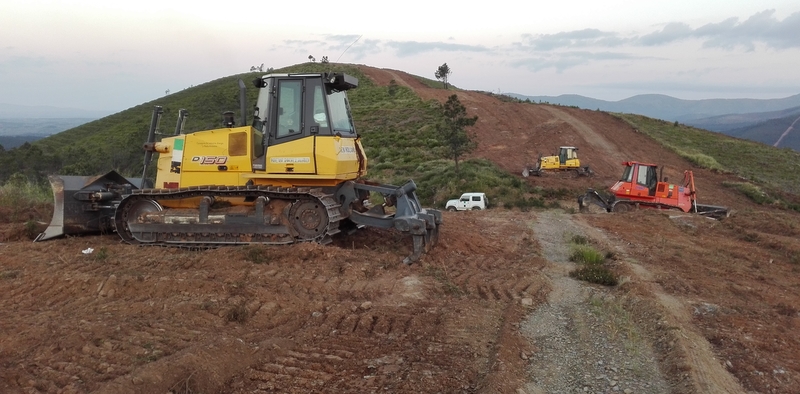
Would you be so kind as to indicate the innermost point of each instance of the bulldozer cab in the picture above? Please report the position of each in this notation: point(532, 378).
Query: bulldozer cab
point(567, 153)
point(303, 105)
point(643, 175)
point(293, 107)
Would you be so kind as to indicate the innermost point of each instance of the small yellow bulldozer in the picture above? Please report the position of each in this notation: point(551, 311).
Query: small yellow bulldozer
point(565, 160)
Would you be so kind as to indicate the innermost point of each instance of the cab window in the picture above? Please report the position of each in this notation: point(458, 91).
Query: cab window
point(319, 115)
point(641, 176)
point(341, 121)
point(289, 107)
point(627, 175)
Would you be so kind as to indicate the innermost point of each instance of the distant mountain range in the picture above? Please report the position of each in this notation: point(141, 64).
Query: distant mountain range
point(14, 111)
point(762, 120)
point(22, 123)
point(669, 108)
point(15, 132)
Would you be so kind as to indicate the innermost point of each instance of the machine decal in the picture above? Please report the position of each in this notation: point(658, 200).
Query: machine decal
point(177, 150)
point(287, 160)
point(210, 160)
point(177, 156)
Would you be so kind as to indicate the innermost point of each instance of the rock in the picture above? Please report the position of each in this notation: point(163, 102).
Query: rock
point(366, 305)
point(526, 301)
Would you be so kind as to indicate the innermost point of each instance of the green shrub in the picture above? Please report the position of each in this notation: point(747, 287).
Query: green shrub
point(598, 274)
point(702, 160)
point(586, 255)
point(751, 191)
point(593, 267)
point(22, 199)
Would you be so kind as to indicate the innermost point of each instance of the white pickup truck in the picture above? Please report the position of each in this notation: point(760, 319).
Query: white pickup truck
point(468, 201)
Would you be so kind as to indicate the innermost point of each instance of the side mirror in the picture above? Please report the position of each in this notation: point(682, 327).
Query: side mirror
point(259, 83)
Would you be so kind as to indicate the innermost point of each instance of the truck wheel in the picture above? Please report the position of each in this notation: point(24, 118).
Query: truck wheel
point(476, 208)
point(451, 209)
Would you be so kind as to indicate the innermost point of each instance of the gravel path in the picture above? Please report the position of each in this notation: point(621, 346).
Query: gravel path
point(584, 341)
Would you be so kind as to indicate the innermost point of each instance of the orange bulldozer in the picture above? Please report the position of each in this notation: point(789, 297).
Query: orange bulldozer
point(640, 187)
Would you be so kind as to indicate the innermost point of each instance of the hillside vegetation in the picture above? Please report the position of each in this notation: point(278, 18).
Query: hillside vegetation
point(398, 130)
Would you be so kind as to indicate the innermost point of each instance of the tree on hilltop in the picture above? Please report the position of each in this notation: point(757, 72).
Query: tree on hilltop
point(442, 73)
point(452, 131)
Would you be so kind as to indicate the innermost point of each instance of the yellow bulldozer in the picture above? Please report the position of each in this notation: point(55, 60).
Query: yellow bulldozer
point(565, 160)
point(294, 175)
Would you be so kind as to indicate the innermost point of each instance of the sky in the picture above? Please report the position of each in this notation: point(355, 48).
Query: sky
point(113, 55)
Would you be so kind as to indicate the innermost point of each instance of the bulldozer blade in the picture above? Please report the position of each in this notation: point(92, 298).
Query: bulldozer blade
point(85, 205)
point(593, 197)
point(713, 211)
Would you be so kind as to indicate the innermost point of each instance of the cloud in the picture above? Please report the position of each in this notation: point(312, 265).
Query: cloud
point(670, 33)
point(728, 34)
point(411, 48)
point(567, 60)
point(571, 39)
point(359, 50)
point(761, 27)
point(357, 47)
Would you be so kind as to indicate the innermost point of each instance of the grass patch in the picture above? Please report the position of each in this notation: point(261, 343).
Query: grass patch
point(701, 160)
point(22, 200)
point(753, 192)
point(598, 274)
point(592, 263)
point(101, 254)
point(584, 254)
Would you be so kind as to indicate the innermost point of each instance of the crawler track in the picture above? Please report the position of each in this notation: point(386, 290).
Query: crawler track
point(276, 216)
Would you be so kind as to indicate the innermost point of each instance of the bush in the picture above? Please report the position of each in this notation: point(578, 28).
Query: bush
point(593, 267)
point(586, 255)
point(24, 200)
point(752, 192)
point(598, 274)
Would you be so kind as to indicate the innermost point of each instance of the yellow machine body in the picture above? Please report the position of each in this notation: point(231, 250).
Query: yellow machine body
point(565, 160)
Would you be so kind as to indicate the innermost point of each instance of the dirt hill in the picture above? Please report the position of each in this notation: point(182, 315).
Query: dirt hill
point(704, 306)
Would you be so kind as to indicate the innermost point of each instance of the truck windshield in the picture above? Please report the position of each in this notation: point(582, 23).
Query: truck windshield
point(341, 121)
